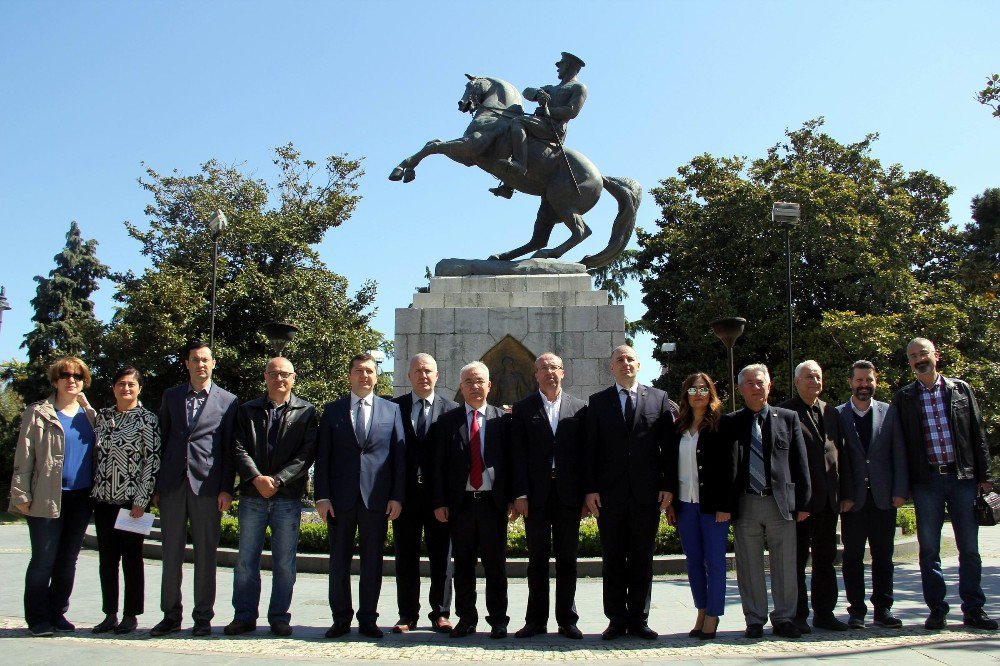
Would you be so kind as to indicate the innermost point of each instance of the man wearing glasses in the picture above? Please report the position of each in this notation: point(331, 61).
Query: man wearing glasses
point(275, 444)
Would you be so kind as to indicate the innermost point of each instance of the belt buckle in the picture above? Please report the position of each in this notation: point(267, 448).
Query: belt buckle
point(941, 469)
point(420, 478)
point(477, 494)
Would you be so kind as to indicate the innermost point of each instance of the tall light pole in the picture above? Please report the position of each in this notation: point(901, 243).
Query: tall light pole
point(668, 348)
point(787, 214)
point(4, 304)
point(216, 225)
point(729, 330)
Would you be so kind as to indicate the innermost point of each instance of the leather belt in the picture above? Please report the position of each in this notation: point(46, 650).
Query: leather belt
point(479, 494)
point(943, 469)
point(767, 492)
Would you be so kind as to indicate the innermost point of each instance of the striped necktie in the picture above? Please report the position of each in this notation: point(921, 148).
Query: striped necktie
point(758, 479)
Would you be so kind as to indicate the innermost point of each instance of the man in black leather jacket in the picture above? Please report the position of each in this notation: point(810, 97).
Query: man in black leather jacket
point(275, 444)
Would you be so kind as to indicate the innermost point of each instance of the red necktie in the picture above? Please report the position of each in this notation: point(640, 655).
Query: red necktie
point(476, 472)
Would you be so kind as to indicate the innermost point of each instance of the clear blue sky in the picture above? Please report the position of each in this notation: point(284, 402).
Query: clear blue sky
point(91, 90)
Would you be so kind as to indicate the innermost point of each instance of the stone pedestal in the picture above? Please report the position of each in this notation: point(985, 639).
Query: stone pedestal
point(465, 319)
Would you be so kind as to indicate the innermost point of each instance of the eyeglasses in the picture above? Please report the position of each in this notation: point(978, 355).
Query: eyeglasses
point(274, 374)
point(550, 368)
point(474, 382)
point(699, 390)
point(78, 376)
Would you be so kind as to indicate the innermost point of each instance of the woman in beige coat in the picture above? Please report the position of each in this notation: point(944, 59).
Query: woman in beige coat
point(53, 473)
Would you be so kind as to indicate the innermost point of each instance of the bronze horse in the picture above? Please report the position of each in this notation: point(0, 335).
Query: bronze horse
point(566, 196)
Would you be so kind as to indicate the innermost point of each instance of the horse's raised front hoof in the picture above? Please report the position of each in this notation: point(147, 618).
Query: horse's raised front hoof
point(546, 254)
point(397, 174)
point(408, 175)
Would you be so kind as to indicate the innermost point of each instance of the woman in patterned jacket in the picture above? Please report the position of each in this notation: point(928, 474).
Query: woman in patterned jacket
point(128, 460)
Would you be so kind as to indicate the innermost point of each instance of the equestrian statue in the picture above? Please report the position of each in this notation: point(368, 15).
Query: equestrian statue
point(528, 153)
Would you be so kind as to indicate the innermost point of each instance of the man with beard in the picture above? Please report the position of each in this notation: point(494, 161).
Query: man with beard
point(948, 460)
point(875, 462)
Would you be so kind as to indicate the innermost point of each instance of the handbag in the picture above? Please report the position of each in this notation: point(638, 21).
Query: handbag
point(987, 508)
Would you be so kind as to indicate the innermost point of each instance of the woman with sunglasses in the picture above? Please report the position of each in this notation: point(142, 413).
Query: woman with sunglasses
point(701, 472)
point(128, 460)
point(53, 473)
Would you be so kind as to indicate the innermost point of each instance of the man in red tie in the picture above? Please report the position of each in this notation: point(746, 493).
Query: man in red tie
point(471, 494)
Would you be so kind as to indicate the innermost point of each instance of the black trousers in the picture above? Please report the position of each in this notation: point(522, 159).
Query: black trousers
point(417, 517)
point(817, 535)
point(552, 528)
point(114, 546)
point(877, 527)
point(370, 527)
point(628, 539)
point(479, 527)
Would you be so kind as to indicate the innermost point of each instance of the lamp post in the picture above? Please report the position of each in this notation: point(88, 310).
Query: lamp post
point(379, 357)
point(787, 214)
point(216, 226)
point(4, 304)
point(667, 348)
point(729, 330)
point(280, 334)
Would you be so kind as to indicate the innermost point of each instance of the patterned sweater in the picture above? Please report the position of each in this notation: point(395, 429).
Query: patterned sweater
point(127, 456)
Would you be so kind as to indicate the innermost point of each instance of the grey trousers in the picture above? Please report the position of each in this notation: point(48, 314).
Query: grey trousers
point(177, 506)
point(759, 521)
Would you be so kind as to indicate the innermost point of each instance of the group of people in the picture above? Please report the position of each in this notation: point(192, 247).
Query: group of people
point(451, 476)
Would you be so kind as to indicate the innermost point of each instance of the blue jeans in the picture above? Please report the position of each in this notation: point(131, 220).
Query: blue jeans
point(704, 544)
point(283, 516)
point(929, 500)
point(55, 546)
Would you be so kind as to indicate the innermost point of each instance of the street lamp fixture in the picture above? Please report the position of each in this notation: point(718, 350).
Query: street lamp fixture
point(216, 225)
point(729, 329)
point(787, 214)
point(280, 334)
point(667, 348)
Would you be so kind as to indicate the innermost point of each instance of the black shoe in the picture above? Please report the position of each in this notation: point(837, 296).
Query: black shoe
point(887, 619)
point(107, 624)
point(612, 632)
point(754, 631)
point(127, 625)
point(237, 627)
point(708, 635)
point(201, 628)
point(857, 622)
point(498, 631)
point(642, 631)
point(338, 629)
point(786, 629)
point(531, 629)
point(164, 627)
point(936, 622)
point(63, 626)
point(41, 630)
point(370, 629)
point(504, 190)
point(802, 624)
point(978, 619)
point(281, 628)
point(570, 631)
point(403, 625)
point(463, 629)
point(830, 623)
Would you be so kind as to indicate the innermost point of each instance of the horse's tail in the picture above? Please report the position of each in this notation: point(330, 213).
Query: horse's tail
point(628, 194)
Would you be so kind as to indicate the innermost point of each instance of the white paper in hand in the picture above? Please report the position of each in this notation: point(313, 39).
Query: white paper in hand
point(127, 523)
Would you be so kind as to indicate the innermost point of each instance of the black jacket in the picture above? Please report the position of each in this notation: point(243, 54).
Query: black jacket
point(718, 456)
point(828, 475)
point(972, 456)
point(295, 451)
point(418, 454)
point(452, 460)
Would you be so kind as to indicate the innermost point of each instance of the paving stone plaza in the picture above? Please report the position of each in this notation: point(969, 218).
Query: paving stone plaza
point(672, 614)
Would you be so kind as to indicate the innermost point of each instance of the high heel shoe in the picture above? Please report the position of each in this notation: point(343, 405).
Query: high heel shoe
point(709, 635)
point(694, 633)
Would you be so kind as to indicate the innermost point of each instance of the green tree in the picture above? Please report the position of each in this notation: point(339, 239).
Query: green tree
point(990, 95)
point(64, 314)
point(873, 259)
point(268, 271)
point(11, 407)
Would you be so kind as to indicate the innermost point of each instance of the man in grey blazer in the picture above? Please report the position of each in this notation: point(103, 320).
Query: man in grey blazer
point(360, 482)
point(774, 485)
point(876, 460)
point(195, 483)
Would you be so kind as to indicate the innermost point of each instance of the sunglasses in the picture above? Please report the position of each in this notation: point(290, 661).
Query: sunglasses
point(703, 390)
point(78, 376)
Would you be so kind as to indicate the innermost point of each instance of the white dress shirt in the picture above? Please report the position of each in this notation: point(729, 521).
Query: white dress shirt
point(487, 471)
point(415, 411)
point(552, 410)
point(366, 409)
point(687, 462)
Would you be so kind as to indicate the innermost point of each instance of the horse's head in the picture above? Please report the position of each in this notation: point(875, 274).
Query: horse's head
point(496, 94)
point(475, 90)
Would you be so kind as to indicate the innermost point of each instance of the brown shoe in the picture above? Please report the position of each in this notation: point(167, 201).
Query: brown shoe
point(403, 625)
point(441, 624)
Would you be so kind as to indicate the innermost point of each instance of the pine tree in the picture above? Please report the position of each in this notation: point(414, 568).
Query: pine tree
point(64, 314)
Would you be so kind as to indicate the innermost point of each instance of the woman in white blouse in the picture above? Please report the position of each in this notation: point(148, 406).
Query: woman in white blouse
point(701, 470)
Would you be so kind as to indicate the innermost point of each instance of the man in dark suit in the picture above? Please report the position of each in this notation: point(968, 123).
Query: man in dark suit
point(627, 427)
point(547, 440)
point(948, 461)
point(195, 483)
point(824, 447)
point(471, 494)
point(419, 409)
point(773, 477)
point(873, 448)
point(360, 480)
point(275, 444)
